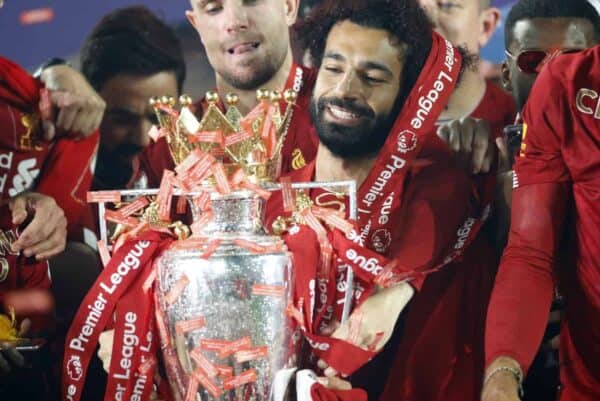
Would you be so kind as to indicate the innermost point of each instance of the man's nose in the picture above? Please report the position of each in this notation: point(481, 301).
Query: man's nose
point(236, 17)
point(349, 87)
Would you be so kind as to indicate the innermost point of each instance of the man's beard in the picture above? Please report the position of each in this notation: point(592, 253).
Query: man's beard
point(263, 71)
point(365, 139)
point(115, 168)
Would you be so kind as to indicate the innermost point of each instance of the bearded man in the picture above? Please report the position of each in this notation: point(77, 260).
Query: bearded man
point(384, 78)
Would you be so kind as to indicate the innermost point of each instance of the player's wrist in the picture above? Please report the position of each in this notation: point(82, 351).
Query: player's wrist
point(504, 374)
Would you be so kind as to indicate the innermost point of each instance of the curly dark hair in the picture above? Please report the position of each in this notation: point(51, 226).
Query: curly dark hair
point(131, 40)
point(405, 20)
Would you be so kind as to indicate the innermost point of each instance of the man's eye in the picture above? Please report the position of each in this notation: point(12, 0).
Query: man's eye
point(212, 8)
point(334, 70)
point(374, 80)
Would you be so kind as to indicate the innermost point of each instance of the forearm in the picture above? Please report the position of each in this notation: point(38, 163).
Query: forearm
point(515, 324)
point(518, 311)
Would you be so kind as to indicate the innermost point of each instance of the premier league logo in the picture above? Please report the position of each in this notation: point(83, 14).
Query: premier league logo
point(74, 368)
point(381, 240)
point(407, 141)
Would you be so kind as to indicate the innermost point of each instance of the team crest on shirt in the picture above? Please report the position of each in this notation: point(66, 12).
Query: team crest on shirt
point(298, 160)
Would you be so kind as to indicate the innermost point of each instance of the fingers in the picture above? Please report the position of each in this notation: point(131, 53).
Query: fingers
point(51, 246)
point(469, 138)
point(77, 115)
point(503, 148)
point(25, 327)
point(18, 208)
point(46, 234)
point(483, 154)
point(49, 130)
point(330, 329)
point(454, 141)
point(4, 366)
point(9, 358)
point(335, 383)
point(80, 108)
point(330, 372)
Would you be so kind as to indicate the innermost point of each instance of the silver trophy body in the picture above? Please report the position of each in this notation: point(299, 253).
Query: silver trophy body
point(240, 294)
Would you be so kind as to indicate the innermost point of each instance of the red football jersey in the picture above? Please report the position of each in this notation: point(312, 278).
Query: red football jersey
point(556, 214)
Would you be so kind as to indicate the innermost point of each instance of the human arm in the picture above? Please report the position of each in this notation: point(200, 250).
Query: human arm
point(515, 326)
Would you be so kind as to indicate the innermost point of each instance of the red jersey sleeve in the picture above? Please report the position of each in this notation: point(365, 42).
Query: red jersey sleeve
point(522, 295)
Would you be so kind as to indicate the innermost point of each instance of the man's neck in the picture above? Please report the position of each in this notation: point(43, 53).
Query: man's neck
point(248, 97)
point(466, 97)
point(329, 167)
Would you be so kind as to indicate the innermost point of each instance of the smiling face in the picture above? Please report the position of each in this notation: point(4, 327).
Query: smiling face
point(353, 104)
point(246, 41)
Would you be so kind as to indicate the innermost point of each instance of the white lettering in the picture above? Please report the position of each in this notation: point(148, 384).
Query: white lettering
point(370, 265)
point(6, 160)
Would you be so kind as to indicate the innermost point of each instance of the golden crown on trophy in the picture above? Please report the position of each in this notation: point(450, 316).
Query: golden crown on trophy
point(252, 142)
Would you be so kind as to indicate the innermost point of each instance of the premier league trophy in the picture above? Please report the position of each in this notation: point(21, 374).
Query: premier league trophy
point(223, 292)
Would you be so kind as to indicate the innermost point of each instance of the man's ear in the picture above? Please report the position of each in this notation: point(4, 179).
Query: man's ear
point(505, 77)
point(291, 11)
point(489, 19)
point(191, 17)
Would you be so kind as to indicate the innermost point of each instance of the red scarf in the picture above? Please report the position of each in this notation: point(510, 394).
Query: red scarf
point(61, 169)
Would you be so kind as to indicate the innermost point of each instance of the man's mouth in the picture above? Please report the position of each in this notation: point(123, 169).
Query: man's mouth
point(243, 48)
point(342, 116)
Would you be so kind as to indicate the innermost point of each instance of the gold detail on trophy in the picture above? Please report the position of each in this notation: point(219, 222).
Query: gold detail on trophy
point(282, 224)
point(31, 122)
point(298, 160)
point(252, 142)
